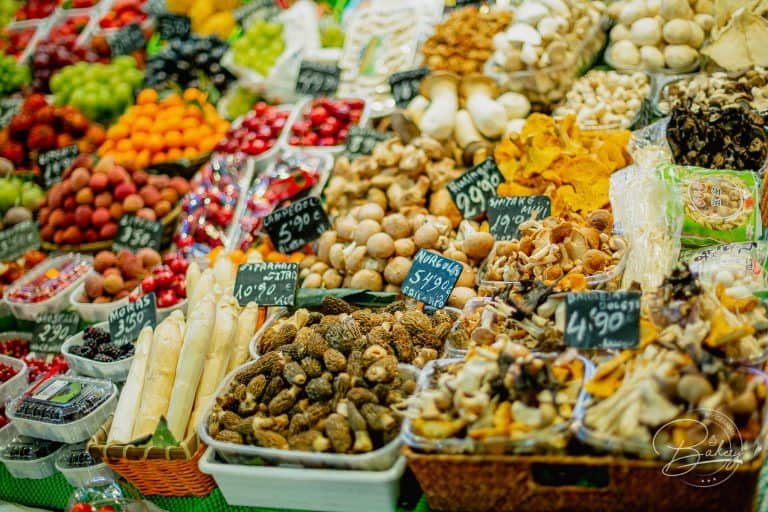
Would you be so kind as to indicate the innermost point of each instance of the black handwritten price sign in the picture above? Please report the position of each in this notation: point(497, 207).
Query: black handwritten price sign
point(455, 4)
point(472, 190)
point(267, 284)
point(154, 7)
point(52, 330)
point(361, 141)
point(317, 79)
point(171, 26)
point(406, 84)
point(53, 163)
point(18, 239)
point(9, 107)
point(126, 323)
point(431, 278)
point(505, 214)
point(134, 233)
point(296, 225)
point(126, 40)
point(602, 319)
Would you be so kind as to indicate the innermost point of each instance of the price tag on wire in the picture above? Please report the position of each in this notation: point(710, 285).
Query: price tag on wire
point(134, 233)
point(267, 284)
point(431, 278)
point(361, 141)
point(406, 84)
point(126, 40)
point(126, 323)
point(294, 226)
point(18, 239)
point(53, 163)
point(52, 330)
point(505, 214)
point(171, 26)
point(316, 79)
point(9, 107)
point(602, 320)
point(471, 190)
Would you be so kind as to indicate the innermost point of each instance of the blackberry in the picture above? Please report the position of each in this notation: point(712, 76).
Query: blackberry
point(110, 349)
point(103, 358)
point(126, 350)
point(82, 351)
point(94, 337)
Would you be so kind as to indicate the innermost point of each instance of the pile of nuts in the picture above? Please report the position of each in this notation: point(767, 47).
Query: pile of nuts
point(325, 383)
point(567, 249)
point(717, 89)
point(658, 34)
point(605, 99)
point(552, 37)
point(464, 40)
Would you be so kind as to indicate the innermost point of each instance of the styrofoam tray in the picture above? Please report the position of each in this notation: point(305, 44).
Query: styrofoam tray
point(57, 303)
point(90, 312)
point(75, 431)
point(306, 489)
point(16, 384)
point(116, 371)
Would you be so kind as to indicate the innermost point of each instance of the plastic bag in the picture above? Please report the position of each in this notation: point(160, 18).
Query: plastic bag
point(714, 206)
point(741, 267)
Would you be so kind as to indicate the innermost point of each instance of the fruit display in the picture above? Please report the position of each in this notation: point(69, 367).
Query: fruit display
point(97, 345)
point(326, 122)
point(189, 63)
point(13, 75)
point(14, 347)
point(60, 49)
point(164, 128)
point(41, 127)
point(256, 132)
point(39, 365)
point(92, 196)
point(7, 372)
point(69, 399)
point(122, 13)
point(59, 276)
point(209, 209)
point(35, 9)
point(167, 281)
point(116, 275)
point(260, 47)
point(18, 200)
point(100, 91)
point(11, 271)
point(13, 41)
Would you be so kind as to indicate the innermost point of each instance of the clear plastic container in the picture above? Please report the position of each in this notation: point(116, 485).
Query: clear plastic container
point(306, 489)
point(16, 384)
point(547, 86)
point(79, 468)
point(70, 419)
point(376, 460)
point(116, 371)
point(25, 457)
point(748, 450)
point(91, 312)
point(532, 442)
point(301, 109)
point(55, 304)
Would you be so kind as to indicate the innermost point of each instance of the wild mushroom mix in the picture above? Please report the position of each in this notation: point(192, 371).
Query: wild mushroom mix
point(717, 90)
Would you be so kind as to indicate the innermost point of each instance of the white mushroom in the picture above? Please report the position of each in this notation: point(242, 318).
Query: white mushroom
point(651, 57)
point(515, 105)
point(523, 33)
point(625, 54)
point(680, 56)
point(677, 31)
point(645, 31)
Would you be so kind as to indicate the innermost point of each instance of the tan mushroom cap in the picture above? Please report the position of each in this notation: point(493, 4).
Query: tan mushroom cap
point(476, 79)
point(435, 76)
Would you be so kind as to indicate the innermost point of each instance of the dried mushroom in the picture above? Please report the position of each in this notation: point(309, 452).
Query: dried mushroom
point(718, 137)
point(501, 394)
point(717, 89)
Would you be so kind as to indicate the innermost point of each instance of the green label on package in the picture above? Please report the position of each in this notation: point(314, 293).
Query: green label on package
point(712, 206)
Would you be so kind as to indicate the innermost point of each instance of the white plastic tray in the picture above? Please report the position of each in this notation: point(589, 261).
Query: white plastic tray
point(90, 312)
point(35, 469)
point(73, 432)
point(116, 371)
point(306, 489)
point(57, 303)
point(16, 384)
point(82, 477)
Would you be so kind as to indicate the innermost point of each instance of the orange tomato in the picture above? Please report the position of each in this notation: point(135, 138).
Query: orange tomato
point(139, 140)
point(173, 139)
point(143, 158)
point(193, 111)
point(159, 157)
point(118, 131)
point(172, 99)
point(146, 96)
point(129, 156)
point(189, 122)
point(175, 154)
point(155, 143)
point(192, 94)
point(124, 145)
point(143, 123)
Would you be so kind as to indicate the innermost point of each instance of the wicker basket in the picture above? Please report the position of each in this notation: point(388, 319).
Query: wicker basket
point(498, 483)
point(168, 222)
point(155, 471)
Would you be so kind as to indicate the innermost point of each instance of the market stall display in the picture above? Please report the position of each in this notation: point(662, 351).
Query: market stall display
point(518, 248)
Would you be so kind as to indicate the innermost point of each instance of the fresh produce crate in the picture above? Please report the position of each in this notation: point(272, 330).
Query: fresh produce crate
point(498, 483)
point(170, 471)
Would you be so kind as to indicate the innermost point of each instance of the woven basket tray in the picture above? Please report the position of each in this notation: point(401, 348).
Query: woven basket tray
point(168, 222)
point(169, 471)
point(546, 483)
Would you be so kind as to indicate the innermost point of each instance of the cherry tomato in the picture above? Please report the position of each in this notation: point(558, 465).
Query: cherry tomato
point(81, 507)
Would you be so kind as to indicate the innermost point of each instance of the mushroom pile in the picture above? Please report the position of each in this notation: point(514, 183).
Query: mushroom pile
point(540, 53)
point(485, 116)
point(717, 89)
point(500, 395)
point(659, 34)
point(573, 251)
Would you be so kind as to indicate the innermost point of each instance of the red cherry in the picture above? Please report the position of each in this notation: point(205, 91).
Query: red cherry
point(294, 141)
point(81, 507)
point(260, 108)
point(179, 266)
point(106, 508)
point(310, 139)
point(318, 115)
point(301, 127)
point(148, 284)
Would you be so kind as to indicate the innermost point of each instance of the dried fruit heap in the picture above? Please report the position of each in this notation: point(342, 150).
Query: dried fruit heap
point(322, 384)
